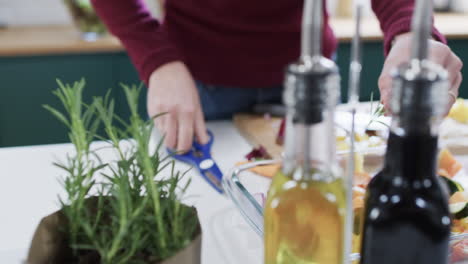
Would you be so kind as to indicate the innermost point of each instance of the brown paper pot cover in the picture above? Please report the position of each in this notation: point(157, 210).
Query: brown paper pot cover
point(49, 245)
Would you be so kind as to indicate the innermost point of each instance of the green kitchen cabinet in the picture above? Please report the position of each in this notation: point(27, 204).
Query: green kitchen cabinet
point(27, 83)
point(373, 59)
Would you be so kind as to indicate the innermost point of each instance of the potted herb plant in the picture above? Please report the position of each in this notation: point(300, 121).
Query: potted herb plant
point(125, 210)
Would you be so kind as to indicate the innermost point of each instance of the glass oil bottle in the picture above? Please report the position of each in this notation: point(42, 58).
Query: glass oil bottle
point(307, 201)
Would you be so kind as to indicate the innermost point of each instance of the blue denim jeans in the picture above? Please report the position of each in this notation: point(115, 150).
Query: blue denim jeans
point(221, 102)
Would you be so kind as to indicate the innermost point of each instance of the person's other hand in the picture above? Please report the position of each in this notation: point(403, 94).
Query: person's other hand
point(438, 53)
point(172, 91)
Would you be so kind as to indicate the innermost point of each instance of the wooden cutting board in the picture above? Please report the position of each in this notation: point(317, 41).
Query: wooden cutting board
point(259, 130)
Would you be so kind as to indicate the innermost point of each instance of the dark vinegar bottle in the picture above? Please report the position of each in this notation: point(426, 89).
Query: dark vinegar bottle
point(407, 219)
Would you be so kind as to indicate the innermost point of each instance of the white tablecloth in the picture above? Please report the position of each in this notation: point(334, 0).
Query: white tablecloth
point(29, 189)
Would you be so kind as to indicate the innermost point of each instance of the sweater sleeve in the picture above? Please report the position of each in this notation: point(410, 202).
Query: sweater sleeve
point(146, 43)
point(395, 18)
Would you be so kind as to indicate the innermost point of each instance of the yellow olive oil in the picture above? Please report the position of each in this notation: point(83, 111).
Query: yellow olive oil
point(304, 220)
point(306, 208)
point(357, 230)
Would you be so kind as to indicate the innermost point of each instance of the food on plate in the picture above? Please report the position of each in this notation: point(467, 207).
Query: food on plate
point(258, 153)
point(448, 165)
point(361, 179)
point(459, 252)
point(452, 185)
point(265, 170)
point(358, 197)
point(454, 129)
point(449, 171)
point(458, 205)
point(342, 145)
point(459, 111)
point(460, 226)
point(268, 170)
point(363, 140)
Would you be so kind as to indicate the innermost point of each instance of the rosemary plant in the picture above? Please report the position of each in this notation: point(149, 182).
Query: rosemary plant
point(122, 211)
point(377, 112)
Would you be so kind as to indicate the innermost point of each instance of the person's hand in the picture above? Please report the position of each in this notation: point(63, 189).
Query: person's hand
point(172, 91)
point(438, 53)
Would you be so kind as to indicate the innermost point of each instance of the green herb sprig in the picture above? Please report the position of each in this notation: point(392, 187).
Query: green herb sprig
point(125, 210)
point(376, 113)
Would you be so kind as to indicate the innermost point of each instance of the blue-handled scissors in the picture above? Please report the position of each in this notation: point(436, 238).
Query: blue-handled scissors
point(200, 157)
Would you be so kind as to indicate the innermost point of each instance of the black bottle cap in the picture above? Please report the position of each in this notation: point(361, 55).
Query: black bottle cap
point(419, 94)
point(309, 89)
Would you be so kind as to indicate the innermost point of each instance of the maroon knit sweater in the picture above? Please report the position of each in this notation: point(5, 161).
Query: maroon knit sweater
point(229, 42)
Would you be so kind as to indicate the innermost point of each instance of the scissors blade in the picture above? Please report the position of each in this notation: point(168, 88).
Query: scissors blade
point(213, 176)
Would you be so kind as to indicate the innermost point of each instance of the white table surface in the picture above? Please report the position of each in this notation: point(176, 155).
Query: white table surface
point(29, 189)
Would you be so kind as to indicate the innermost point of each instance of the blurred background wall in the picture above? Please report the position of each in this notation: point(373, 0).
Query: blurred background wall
point(39, 43)
point(43, 12)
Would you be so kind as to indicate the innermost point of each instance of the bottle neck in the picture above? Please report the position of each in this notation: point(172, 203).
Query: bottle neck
point(310, 94)
point(310, 148)
point(412, 150)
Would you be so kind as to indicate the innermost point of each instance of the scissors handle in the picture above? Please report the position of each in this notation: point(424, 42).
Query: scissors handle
point(200, 157)
point(205, 148)
point(197, 152)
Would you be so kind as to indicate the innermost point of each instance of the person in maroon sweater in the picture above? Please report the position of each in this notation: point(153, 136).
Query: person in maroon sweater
point(211, 58)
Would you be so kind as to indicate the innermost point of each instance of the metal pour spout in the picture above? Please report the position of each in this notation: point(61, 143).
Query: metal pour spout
point(421, 27)
point(312, 23)
point(356, 64)
point(311, 87)
point(421, 91)
point(353, 100)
